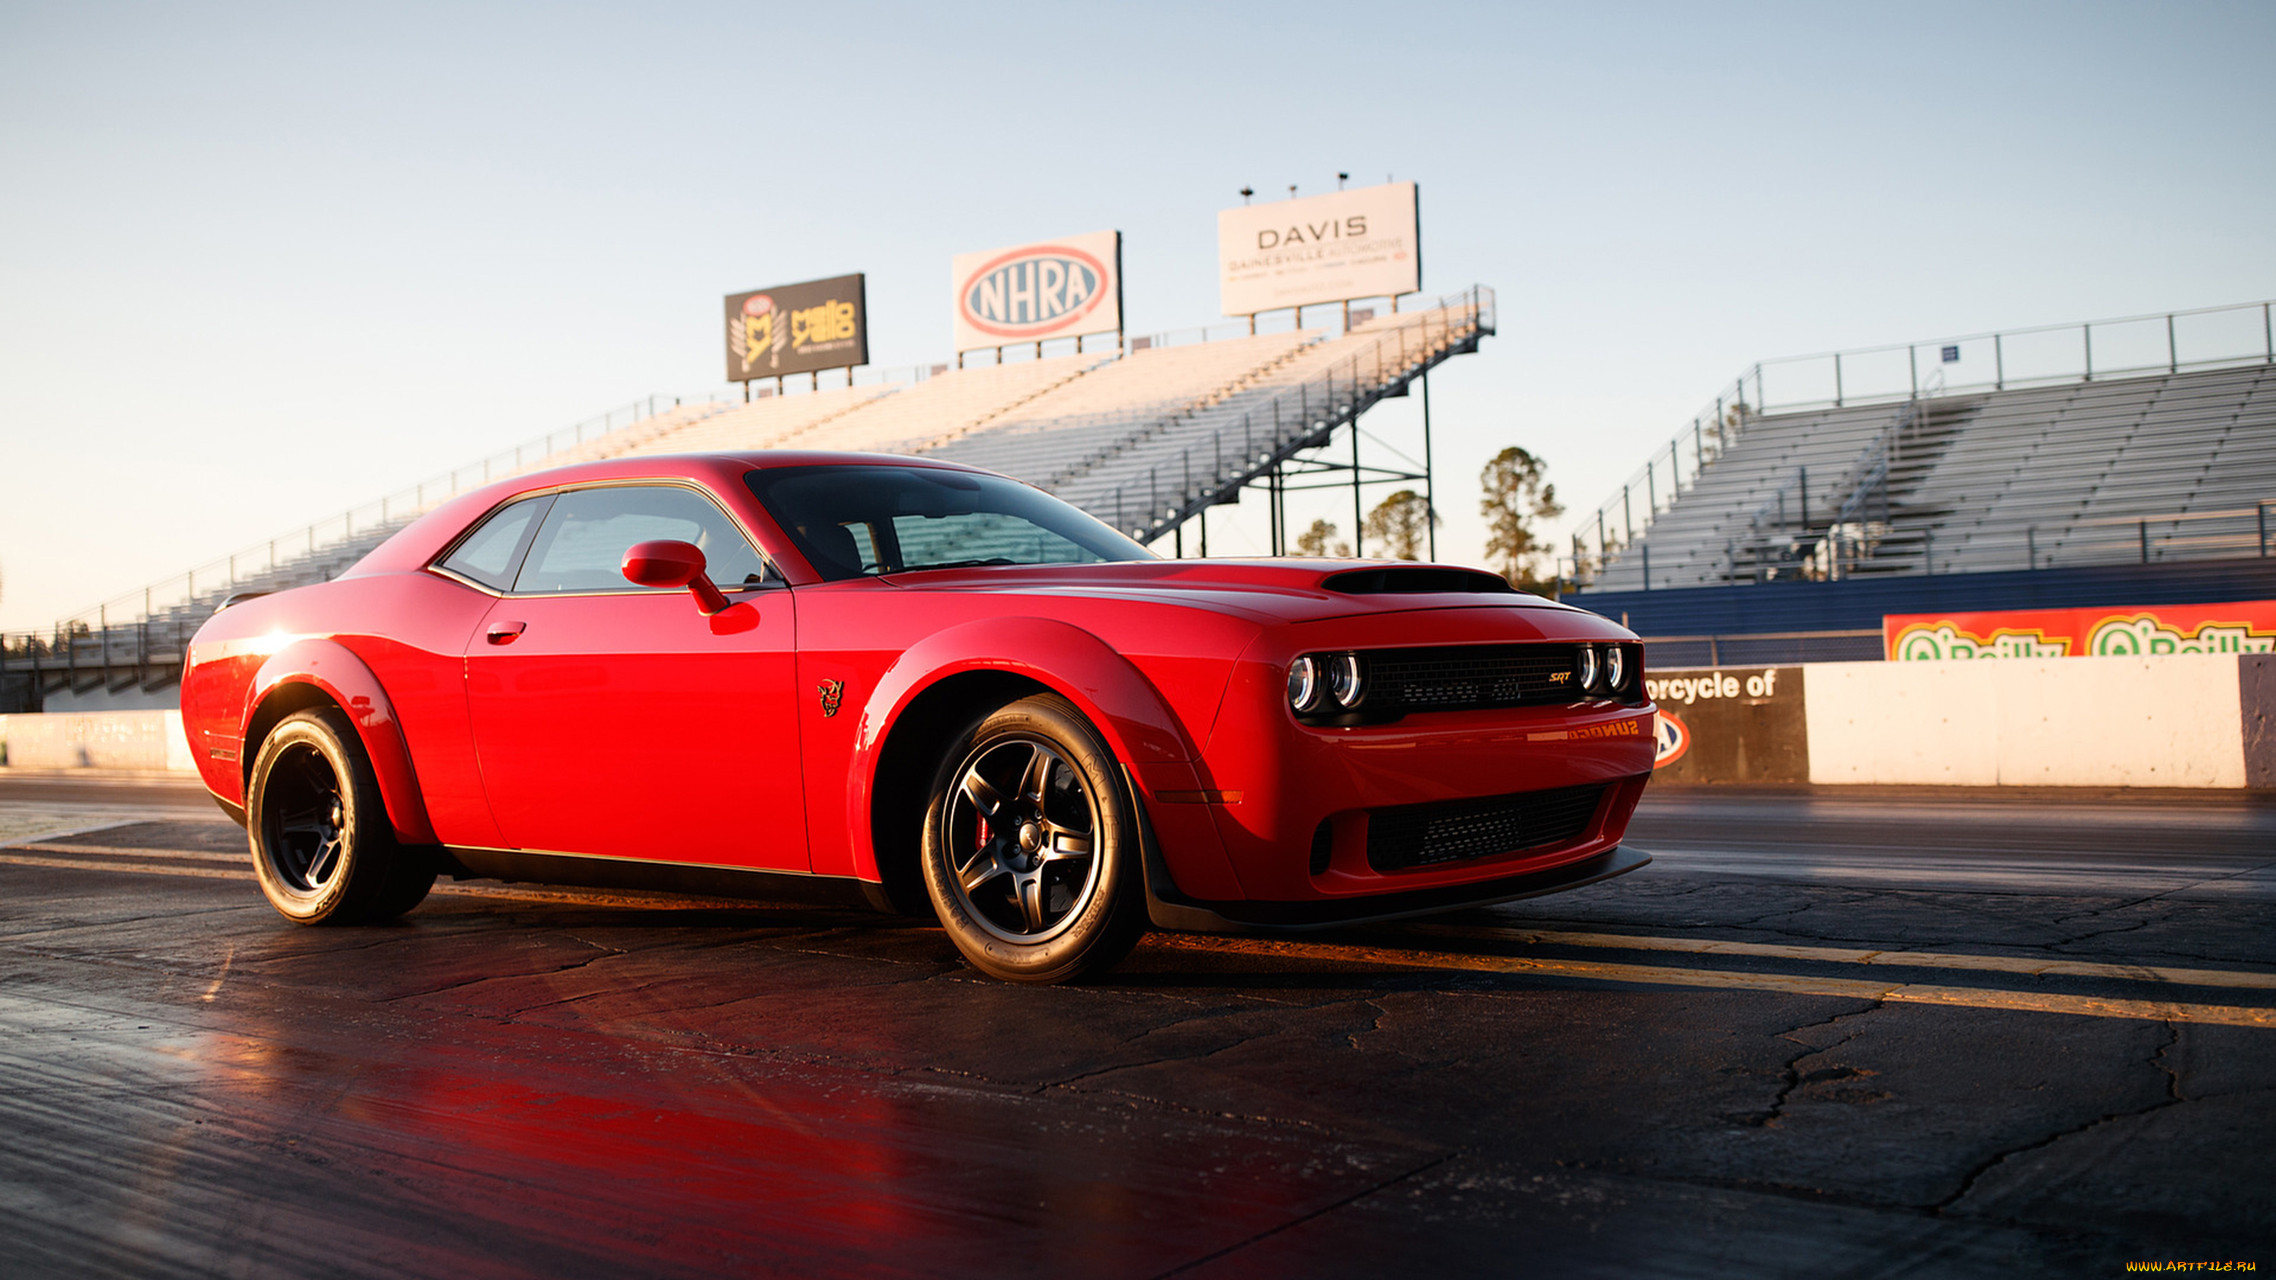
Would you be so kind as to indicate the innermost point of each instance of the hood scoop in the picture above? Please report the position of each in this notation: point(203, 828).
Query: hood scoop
point(1420, 580)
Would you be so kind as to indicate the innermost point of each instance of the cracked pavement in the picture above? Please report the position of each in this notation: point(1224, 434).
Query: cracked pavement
point(556, 1084)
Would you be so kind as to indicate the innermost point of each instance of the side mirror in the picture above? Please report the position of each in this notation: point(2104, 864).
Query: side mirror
point(668, 564)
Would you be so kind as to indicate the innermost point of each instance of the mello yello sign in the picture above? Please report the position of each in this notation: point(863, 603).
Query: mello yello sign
point(797, 328)
point(2244, 627)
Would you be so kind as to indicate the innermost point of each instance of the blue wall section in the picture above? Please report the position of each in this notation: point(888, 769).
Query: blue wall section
point(1860, 602)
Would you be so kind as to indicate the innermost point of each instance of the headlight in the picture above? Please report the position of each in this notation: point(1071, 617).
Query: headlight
point(1615, 667)
point(1305, 684)
point(1588, 671)
point(1347, 684)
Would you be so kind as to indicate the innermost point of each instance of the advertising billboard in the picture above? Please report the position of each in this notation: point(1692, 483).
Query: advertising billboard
point(1731, 724)
point(1063, 288)
point(1364, 243)
point(2103, 632)
point(797, 328)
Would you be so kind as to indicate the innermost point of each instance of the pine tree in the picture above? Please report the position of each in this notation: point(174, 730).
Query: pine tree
point(1515, 498)
point(1316, 541)
point(1400, 524)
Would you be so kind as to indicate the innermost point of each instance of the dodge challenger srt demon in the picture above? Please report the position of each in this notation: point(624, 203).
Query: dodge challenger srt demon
point(917, 685)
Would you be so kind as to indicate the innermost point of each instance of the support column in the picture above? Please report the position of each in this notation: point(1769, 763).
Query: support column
point(1430, 497)
point(1358, 521)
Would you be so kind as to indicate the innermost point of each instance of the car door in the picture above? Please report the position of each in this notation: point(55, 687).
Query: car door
point(619, 721)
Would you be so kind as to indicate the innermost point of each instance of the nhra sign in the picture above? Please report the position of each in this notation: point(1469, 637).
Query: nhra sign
point(1053, 289)
point(797, 328)
point(2104, 632)
point(1365, 243)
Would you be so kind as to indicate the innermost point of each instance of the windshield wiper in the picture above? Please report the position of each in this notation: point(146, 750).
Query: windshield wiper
point(958, 564)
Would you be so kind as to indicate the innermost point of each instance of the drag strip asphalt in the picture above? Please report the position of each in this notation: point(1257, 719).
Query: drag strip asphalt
point(1873, 1034)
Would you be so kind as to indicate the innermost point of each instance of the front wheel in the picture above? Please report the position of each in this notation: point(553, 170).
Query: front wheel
point(322, 846)
point(1030, 855)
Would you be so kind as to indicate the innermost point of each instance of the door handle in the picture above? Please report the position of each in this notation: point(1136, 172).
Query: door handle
point(505, 632)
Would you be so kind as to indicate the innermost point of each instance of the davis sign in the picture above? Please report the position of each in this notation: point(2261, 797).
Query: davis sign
point(1051, 289)
point(1364, 243)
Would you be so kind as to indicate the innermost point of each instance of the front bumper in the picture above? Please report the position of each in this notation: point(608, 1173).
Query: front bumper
point(1170, 910)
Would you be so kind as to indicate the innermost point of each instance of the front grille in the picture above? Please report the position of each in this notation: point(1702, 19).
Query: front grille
point(1471, 677)
point(1421, 835)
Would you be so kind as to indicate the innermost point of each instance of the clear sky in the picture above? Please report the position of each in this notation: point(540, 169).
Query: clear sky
point(259, 264)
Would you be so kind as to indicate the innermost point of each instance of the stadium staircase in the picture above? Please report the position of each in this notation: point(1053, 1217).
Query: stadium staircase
point(1145, 440)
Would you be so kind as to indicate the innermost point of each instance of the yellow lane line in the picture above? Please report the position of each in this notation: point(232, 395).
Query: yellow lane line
point(113, 851)
point(1648, 975)
point(2240, 978)
point(582, 897)
point(1656, 975)
point(152, 868)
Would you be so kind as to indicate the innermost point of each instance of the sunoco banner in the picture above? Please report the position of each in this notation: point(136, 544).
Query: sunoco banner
point(797, 328)
point(1353, 244)
point(1061, 288)
point(2245, 627)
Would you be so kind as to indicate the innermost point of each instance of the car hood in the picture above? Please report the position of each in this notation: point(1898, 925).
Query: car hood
point(1265, 590)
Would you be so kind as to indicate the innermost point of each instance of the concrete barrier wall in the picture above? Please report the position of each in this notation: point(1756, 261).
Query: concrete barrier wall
point(2169, 721)
point(144, 741)
point(2047, 722)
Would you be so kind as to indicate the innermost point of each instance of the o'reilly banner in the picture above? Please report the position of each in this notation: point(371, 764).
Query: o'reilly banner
point(797, 328)
point(1290, 253)
point(1061, 288)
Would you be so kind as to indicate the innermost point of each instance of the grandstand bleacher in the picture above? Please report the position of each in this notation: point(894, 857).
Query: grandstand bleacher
point(1145, 439)
point(2148, 467)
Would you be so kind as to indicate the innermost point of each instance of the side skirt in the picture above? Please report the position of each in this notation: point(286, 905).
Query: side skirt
point(590, 871)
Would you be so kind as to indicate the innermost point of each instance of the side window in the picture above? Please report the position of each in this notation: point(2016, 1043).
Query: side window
point(489, 554)
point(581, 545)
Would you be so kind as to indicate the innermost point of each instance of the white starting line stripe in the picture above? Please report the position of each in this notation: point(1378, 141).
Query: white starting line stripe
point(2034, 966)
point(1663, 976)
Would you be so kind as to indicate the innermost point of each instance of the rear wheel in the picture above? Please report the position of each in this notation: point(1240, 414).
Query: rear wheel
point(1030, 856)
point(322, 846)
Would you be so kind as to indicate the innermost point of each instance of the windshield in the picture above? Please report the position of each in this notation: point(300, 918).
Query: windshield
point(849, 521)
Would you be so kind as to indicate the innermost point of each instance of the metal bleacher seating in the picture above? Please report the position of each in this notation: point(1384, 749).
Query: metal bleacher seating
point(2163, 467)
point(1144, 439)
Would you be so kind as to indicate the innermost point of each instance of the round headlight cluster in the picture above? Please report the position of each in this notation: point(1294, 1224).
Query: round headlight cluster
point(1604, 669)
point(1325, 681)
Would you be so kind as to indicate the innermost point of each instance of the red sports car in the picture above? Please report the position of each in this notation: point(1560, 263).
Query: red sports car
point(916, 685)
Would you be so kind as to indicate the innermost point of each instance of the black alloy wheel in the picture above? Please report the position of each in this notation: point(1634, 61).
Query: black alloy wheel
point(323, 848)
point(1028, 853)
point(304, 822)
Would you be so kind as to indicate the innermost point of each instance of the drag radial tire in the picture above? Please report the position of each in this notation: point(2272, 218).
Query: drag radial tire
point(322, 845)
point(1031, 848)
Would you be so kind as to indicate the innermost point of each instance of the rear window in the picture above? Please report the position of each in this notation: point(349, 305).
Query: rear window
point(851, 521)
point(488, 555)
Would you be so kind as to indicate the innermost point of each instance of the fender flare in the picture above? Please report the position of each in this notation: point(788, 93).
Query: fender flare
point(1121, 703)
point(335, 670)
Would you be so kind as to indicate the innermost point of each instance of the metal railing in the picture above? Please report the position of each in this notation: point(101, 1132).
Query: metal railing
point(1833, 551)
point(1769, 648)
point(2233, 336)
point(1299, 417)
point(217, 577)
